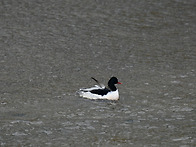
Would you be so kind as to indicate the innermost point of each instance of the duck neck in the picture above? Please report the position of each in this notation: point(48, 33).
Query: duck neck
point(111, 86)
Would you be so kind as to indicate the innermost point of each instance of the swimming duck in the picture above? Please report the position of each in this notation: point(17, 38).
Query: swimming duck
point(100, 91)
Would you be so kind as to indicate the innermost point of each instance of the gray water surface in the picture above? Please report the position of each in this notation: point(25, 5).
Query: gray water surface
point(50, 49)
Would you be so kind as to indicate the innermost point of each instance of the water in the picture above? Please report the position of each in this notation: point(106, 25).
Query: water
point(51, 49)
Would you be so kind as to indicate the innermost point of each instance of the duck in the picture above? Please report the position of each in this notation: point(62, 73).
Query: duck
point(100, 91)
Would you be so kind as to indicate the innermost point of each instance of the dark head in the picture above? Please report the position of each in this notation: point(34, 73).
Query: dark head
point(111, 83)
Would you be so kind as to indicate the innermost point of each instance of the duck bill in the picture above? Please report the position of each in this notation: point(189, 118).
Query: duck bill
point(119, 83)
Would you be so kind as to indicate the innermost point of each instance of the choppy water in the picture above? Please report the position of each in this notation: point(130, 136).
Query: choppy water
point(51, 49)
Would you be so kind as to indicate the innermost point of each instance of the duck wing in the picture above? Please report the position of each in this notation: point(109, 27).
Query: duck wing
point(100, 91)
point(99, 84)
point(90, 89)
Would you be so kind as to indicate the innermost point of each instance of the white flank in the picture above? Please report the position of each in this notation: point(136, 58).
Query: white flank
point(112, 95)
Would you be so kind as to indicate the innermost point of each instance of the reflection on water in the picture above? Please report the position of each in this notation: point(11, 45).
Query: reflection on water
point(51, 49)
